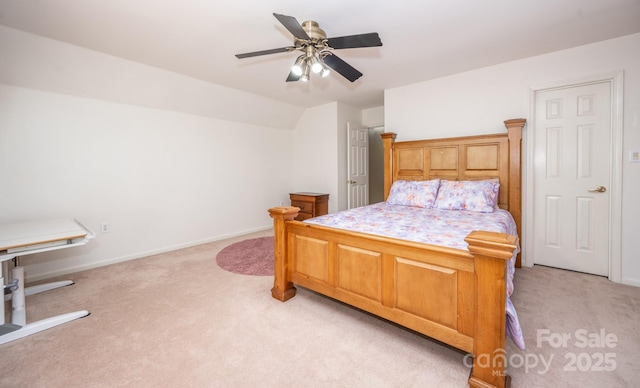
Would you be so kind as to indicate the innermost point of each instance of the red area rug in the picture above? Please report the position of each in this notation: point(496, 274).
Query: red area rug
point(248, 257)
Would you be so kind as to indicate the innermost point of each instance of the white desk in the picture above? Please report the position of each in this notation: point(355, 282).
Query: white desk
point(27, 238)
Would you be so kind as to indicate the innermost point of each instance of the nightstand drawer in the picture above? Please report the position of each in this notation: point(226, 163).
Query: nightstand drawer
point(305, 207)
point(303, 216)
point(310, 204)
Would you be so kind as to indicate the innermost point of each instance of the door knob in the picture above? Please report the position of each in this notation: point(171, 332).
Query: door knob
point(599, 189)
point(352, 182)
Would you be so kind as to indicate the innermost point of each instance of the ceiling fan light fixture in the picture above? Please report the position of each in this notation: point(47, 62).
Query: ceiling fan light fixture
point(312, 41)
point(316, 65)
point(305, 72)
point(298, 66)
point(325, 71)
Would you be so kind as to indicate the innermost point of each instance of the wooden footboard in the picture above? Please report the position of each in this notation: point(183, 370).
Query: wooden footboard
point(454, 296)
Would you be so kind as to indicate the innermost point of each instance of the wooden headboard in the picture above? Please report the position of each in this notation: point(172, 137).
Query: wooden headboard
point(495, 156)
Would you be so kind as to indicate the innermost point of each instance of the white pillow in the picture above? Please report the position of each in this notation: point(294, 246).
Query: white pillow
point(476, 196)
point(414, 193)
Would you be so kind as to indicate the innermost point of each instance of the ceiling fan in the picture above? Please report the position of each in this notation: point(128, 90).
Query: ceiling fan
point(317, 50)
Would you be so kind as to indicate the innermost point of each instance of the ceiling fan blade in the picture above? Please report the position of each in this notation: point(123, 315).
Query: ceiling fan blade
point(292, 77)
point(265, 52)
point(291, 24)
point(342, 67)
point(354, 41)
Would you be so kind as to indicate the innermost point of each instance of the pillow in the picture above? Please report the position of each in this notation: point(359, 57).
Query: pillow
point(497, 181)
point(475, 196)
point(414, 193)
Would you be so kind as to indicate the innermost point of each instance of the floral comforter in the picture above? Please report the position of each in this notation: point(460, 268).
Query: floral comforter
point(432, 226)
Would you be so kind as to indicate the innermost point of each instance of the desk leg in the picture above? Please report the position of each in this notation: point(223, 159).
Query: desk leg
point(41, 325)
point(2, 306)
point(5, 328)
point(46, 287)
point(18, 314)
point(38, 288)
point(19, 328)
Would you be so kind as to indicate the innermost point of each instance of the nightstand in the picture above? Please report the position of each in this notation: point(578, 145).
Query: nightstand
point(310, 204)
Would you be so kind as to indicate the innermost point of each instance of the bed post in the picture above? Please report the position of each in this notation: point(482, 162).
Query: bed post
point(388, 138)
point(283, 288)
point(514, 128)
point(491, 251)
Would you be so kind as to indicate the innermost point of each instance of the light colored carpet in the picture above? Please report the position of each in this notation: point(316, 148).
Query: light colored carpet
point(178, 320)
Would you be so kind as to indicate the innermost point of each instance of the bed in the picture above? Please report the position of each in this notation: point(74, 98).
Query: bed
point(464, 291)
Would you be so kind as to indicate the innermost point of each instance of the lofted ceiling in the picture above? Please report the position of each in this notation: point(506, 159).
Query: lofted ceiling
point(422, 39)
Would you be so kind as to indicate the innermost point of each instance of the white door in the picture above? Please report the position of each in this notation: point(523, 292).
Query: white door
point(357, 166)
point(572, 169)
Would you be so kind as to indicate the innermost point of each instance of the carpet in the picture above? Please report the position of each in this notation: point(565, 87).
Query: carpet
point(248, 257)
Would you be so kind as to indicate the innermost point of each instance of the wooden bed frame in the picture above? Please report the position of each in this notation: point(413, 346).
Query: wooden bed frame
point(464, 291)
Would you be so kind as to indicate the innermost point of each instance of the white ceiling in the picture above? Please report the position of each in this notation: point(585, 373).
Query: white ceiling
point(422, 39)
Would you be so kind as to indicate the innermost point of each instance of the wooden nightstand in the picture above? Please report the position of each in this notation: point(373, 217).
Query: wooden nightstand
point(310, 204)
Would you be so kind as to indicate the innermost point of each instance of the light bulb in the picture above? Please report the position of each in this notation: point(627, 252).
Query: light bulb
point(316, 67)
point(305, 72)
point(297, 67)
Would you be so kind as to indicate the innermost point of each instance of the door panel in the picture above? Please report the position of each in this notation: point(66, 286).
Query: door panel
point(571, 161)
point(357, 165)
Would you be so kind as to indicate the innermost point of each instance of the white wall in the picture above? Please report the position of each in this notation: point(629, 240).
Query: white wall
point(161, 179)
point(373, 117)
point(479, 101)
point(35, 62)
point(153, 153)
point(376, 165)
point(315, 153)
point(320, 151)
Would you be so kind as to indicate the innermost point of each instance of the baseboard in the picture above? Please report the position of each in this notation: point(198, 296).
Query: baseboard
point(65, 271)
point(630, 282)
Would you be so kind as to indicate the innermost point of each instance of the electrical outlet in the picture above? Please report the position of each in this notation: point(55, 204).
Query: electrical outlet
point(634, 156)
point(104, 227)
point(281, 203)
